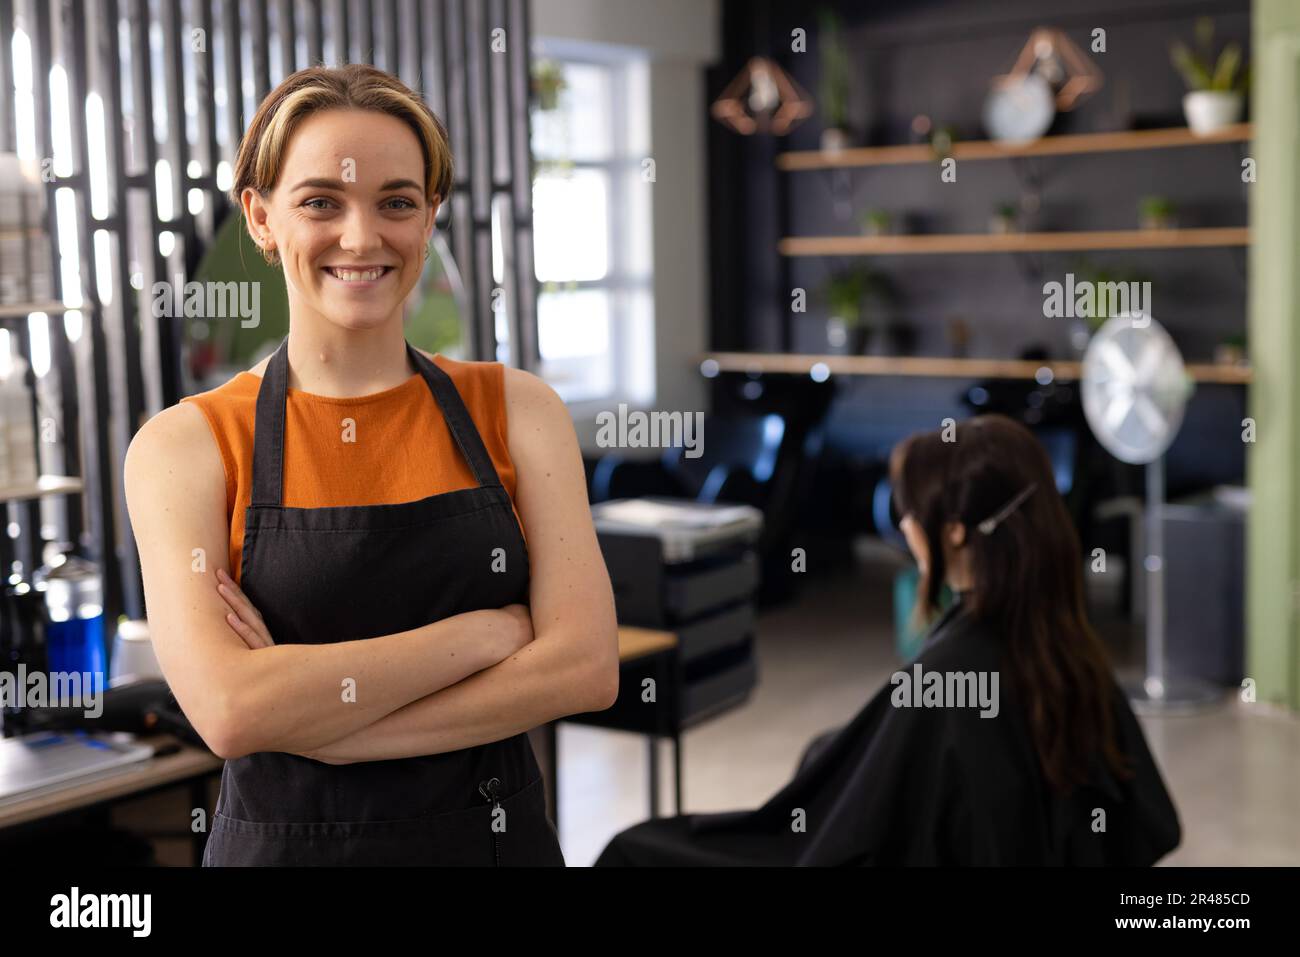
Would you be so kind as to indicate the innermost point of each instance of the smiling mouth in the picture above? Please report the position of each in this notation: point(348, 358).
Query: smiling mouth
point(365, 274)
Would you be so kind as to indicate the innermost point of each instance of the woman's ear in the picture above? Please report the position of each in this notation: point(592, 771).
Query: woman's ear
point(956, 533)
point(255, 214)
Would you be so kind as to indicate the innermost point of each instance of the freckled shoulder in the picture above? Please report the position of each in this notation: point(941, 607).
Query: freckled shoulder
point(539, 423)
point(527, 392)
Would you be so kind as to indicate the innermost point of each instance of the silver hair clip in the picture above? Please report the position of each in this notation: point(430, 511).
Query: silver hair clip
point(989, 524)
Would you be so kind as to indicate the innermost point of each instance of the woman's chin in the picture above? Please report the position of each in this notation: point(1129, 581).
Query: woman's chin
point(360, 316)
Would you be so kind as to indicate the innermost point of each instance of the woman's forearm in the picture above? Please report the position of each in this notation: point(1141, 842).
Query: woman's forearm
point(552, 677)
point(298, 697)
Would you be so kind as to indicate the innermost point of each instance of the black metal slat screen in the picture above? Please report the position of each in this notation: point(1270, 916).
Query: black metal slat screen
point(176, 82)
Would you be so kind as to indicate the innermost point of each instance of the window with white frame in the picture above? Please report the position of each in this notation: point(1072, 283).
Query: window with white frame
point(592, 222)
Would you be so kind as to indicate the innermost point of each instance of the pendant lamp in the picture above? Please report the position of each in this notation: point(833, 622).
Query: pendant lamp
point(1070, 72)
point(762, 98)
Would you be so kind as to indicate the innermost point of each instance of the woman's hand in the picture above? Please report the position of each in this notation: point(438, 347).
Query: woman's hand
point(243, 618)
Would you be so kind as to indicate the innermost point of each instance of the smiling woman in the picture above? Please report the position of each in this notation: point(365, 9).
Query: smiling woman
point(368, 569)
point(345, 173)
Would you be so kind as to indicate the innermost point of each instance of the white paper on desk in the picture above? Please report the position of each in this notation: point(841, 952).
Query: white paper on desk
point(45, 761)
point(651, 514)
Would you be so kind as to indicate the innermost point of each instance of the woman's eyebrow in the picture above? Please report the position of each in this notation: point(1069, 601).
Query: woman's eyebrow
point(324, 183)
point(320, 183)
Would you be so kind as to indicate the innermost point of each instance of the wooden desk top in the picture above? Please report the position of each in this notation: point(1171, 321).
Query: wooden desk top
point(185, 763)
point(636, 643)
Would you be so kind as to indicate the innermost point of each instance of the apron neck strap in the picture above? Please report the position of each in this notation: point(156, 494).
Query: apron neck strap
point(459, 421)
point(268, 427)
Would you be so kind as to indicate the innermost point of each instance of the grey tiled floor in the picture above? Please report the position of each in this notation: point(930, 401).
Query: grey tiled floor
point(1234, 771)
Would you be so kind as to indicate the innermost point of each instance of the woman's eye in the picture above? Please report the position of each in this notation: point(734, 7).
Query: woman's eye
point(312, 203)
point(402, 203)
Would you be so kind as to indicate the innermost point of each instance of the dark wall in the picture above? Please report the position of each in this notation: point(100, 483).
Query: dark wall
point(936, 57)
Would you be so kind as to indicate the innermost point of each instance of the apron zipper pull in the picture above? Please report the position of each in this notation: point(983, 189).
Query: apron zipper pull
point(490, 789)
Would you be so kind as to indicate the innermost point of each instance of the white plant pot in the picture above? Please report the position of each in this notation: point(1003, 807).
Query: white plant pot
point(834, 139)
point(1209, 111)
point(837, 332)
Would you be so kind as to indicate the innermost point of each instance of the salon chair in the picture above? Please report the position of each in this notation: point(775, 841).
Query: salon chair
point(737, 464)
point(757, 460)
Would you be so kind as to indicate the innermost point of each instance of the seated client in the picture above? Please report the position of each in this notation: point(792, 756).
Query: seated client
point(1006, 741)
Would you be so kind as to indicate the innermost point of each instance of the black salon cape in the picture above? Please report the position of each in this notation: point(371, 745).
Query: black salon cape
point(929, 786)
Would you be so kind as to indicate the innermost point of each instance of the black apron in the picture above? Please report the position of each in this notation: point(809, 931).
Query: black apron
point(337, 574)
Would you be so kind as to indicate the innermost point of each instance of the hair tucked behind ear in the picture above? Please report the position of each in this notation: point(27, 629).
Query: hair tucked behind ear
point(1027, 581)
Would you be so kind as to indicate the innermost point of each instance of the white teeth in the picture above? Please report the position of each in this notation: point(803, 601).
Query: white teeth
point(357, 275)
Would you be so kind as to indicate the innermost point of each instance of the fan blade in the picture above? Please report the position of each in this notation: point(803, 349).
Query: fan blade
point(1112, 357)
point(1153, 419)
point(1117, 412)
point(1152, 355)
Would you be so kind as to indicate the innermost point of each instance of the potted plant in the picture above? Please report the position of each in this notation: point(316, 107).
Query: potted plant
point(1215, 84)
point(1003, 219)
point(876, 222)
point(856, 300)
point(1156, 212)
point(1100, 277)
point(843, 293)
point(834, 84)
point(846, 294)
point(1231, 351)
point(942, 140)
point(548, 84)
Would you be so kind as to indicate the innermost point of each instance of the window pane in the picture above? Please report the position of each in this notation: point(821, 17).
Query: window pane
point(580, 126)
point(573, 330)
point(591, 225)
point(571, 228)
point(573, 324)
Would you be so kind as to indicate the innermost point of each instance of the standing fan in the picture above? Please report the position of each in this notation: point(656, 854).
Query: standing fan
point(1134, 390)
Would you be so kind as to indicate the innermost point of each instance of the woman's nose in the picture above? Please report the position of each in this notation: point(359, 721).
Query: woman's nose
point(360, 234)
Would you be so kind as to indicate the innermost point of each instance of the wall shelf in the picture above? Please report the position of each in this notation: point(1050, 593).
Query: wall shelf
point(940, 367)
point(1066, 145)
point(1013, 242)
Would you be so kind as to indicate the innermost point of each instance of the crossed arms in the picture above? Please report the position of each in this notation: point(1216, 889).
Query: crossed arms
point(456, 683)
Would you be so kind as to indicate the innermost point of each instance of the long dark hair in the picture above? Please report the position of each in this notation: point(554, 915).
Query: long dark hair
point(1027, 580)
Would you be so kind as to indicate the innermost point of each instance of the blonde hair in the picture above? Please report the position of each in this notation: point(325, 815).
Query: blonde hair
point(356, 86)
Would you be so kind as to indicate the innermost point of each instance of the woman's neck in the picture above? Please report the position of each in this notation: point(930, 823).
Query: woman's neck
point(330, 361)
point(957, 571)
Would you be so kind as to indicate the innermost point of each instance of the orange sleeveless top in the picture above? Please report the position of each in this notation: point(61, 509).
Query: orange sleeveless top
point(378, 449)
